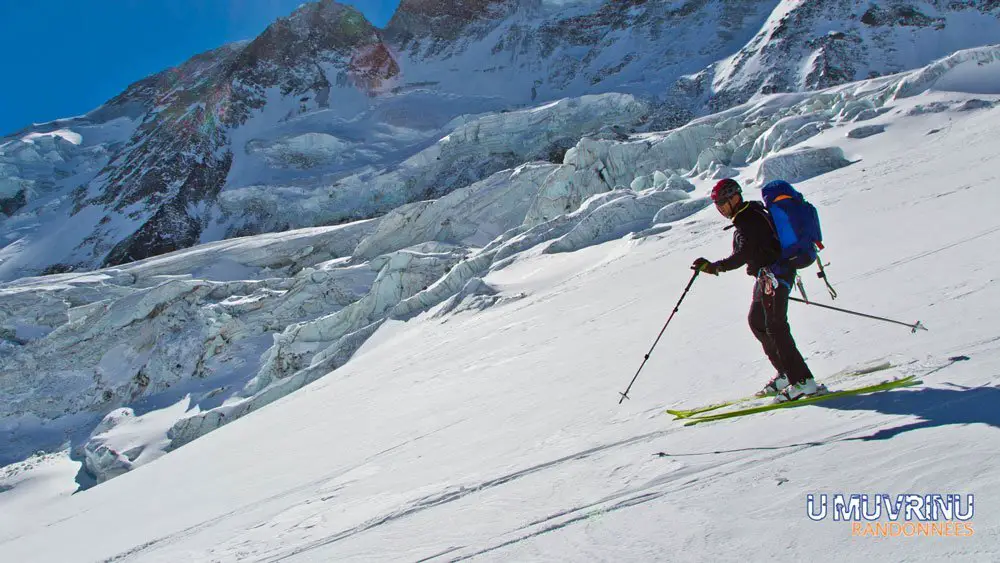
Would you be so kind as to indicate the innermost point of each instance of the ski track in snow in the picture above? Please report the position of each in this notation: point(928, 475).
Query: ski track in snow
point(654, 489)
point(670, 483)
point(201, 526)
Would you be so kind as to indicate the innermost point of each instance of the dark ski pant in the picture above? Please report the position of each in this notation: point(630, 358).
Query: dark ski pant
point(769, 323)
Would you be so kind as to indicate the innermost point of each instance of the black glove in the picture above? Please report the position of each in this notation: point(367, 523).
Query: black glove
point(704, 265)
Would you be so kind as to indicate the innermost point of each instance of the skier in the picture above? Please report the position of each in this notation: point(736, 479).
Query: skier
point(756, 245)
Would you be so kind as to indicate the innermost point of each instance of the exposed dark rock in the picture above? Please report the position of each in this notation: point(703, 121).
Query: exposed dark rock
point(11, 204)
point(899, 14)
point(172, 227)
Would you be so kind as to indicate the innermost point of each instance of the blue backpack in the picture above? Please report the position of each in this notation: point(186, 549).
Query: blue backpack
point(796, 223)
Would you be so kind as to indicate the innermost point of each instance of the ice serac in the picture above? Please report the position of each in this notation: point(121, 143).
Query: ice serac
point(629, 213)
point(474, 148)
point(474, 215)
point(801, 164)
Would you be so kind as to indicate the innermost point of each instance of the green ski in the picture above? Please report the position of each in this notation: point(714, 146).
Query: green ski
point(907, 381)
point(698, 410)
point(688, 413)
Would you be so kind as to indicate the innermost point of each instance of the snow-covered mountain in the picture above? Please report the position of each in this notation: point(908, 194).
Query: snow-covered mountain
point(407, 263)
point(467, 352)
point(325, 119)
point(722, 50)
point(218, 331)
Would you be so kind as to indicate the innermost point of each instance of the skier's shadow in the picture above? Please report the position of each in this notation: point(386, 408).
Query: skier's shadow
point(935, 406)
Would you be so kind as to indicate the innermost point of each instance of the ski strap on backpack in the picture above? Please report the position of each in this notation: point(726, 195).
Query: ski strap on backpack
point(822, 275)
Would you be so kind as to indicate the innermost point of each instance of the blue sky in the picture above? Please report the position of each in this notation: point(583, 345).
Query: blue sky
point(62, 58)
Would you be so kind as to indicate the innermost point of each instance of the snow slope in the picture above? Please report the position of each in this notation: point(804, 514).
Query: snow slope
point(473, 411)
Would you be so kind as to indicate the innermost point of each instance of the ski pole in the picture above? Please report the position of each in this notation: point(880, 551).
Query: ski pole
point(913, 327)
point(676, 307)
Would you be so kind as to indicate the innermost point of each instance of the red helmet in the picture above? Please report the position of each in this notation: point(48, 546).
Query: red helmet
point(725, 189)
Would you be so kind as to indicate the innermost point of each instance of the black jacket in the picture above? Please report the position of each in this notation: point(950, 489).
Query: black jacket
point(755, 242)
